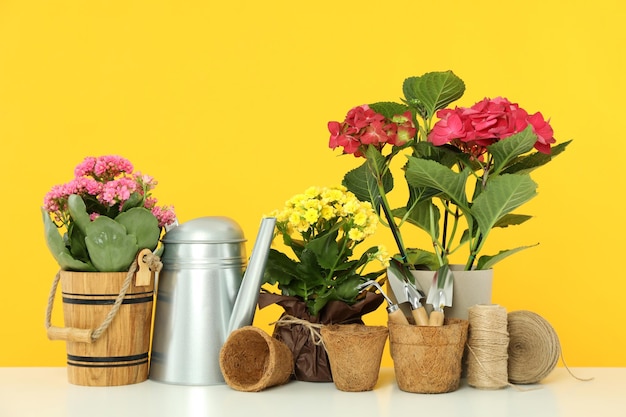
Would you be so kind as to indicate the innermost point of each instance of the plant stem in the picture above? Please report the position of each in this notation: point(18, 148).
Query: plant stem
point(395, 231)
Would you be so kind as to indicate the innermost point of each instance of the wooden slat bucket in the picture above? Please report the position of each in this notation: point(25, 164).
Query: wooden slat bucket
point(118, 355)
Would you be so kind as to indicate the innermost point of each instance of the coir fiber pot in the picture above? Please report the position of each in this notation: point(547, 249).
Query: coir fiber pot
point(107, 318)
point(355, 352)
point(251, 360)
point(427, 359)
point(311, 362)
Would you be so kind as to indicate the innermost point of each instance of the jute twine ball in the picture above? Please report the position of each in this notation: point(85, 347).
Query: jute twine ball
point(534, 347)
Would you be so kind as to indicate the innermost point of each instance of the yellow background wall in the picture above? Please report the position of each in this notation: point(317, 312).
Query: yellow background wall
point(226, 104)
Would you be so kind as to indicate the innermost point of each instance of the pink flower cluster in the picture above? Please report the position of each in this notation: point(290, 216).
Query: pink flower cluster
point(363, 126)
point(109, 182)
point(486, 122)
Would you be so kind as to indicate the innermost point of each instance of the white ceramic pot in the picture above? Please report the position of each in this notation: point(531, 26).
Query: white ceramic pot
point(469, 288)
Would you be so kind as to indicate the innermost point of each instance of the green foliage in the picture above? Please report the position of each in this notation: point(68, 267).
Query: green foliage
point(315, 276)
point(449, 188)
point(322, 227)
point(104, 244)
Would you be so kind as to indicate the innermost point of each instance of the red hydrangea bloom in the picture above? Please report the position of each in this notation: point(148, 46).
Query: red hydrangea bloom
point(363, 126)
point(486, 122)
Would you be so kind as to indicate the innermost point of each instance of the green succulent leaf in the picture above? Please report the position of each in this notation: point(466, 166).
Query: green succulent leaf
point(503, 195)
point(110, 248)
point(78, 212)
point(76, 243)
point(141, 223)
point(59, 251)
point(135, 200)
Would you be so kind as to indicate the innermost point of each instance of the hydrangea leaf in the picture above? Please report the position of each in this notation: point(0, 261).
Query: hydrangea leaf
point(502, 195)
point(433, 91)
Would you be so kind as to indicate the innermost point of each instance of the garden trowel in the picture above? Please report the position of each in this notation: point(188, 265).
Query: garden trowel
point(395, 314)
point(399, 278)
point(440, 294)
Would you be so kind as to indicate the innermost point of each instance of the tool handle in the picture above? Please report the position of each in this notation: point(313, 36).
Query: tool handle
point(397, 316)
point(436, 318)
point(70, 334)
point(420, 316)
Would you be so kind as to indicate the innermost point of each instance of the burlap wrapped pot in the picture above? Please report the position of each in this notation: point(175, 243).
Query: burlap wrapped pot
point(427, 359)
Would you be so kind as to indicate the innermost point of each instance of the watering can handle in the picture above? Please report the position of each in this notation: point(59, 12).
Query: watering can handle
point(72, 334)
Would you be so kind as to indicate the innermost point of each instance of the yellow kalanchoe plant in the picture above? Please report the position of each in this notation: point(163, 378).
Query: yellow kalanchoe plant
point(322, 226)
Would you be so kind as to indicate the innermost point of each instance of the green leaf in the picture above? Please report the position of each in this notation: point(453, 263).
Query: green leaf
point(433, 91)
point(420, 216)
point(389, 109)
point(135, 200)
point(502, 195)
point(59, 251)
point(280, 268)
point(110, 248)
point(505, 151)
point(423, 257)
point(512, 220)
point(487, 262)
point(78, 212)
point(363, 181)
point(529, 163)
point(425, 173)
point(325, 248)
point(76, 242)
point(348, 290)
point(141, 223)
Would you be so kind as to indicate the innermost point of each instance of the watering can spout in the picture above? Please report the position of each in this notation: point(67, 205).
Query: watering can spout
point(245, 304)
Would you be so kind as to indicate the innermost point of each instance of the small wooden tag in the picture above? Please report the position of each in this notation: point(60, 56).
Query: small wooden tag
point(143, 275)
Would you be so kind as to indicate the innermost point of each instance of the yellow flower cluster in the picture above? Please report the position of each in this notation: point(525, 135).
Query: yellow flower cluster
point(319, 208)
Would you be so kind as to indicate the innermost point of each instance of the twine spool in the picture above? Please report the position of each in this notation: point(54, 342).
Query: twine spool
point(534, 347)
point(488, 342)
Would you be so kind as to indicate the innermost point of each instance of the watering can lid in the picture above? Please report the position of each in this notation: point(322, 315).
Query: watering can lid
point(211, 229)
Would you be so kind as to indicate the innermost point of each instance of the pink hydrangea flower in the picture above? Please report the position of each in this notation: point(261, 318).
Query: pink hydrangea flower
point(363, 127)
point(486, 122)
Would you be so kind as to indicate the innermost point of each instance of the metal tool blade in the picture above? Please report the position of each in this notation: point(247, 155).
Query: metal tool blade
point(441, 289)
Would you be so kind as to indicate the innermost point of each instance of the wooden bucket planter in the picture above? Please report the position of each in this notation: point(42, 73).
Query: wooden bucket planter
point(107, 318)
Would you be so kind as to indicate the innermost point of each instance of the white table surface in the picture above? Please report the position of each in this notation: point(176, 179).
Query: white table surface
point(45, 392)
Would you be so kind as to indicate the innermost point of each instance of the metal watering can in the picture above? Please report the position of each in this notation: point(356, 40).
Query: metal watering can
point(202, 297)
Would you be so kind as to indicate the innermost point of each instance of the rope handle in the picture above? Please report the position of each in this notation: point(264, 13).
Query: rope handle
point(72, 334)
